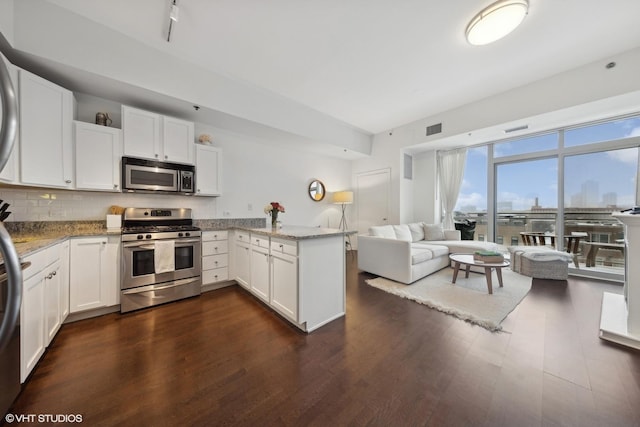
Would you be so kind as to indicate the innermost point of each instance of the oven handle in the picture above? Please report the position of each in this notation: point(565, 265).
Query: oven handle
point(146, 245)
point(158, 288)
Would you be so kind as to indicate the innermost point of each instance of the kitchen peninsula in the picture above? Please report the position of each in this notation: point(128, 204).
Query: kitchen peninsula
point(297, 271)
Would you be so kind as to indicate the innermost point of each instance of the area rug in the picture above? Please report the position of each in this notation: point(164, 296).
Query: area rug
point(467, 299)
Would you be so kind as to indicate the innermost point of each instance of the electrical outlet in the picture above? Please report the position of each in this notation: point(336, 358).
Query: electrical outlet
point(249, 207)
point(226, 213)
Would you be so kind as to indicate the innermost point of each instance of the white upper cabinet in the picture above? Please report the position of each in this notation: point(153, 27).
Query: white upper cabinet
point(208, 170)
point(46, 145)
point(141, 133)
point(98, 153)
point(177, 140)
point(153, 136)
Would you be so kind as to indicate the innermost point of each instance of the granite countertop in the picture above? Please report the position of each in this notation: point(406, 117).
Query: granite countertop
point(33, 236)
point(294, 232)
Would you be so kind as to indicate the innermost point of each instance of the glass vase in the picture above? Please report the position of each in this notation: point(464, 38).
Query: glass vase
point(274, 219)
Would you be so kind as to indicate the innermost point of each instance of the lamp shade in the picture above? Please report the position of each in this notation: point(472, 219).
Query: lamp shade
point(496, 21)
point(343, 197)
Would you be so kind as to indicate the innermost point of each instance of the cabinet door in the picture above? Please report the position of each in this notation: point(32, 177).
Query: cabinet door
point(207, 170)
point(242, 265)
point(64, 280)
point(98, 153)
point(87, 284)
point(52, 284)
point(141, 133)
point(32, 323)
point(284, 285)
point(260, 273)
point(177, 140)
point(46, 148)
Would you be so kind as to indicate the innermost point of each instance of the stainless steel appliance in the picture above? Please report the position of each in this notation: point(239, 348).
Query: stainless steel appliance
point(154, 176)
point(146, 280)
point(11, 285)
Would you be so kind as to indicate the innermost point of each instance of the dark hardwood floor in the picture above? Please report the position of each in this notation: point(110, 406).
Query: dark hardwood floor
point(225, 359)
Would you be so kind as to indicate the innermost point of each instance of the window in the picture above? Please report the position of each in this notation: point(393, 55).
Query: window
point(526, 145)
point(607, 131)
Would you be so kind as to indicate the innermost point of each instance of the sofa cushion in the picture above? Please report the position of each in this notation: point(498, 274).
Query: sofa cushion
point(436, 250)
point(402, 232)
point(419, 255)
point(417, 231)
point(433, 232)
point(385, 231)
point(467, 246)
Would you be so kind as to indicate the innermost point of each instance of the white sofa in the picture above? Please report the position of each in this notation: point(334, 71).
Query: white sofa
point(408, 252)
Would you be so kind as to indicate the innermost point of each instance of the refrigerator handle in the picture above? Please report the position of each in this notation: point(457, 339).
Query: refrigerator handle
point(9, 114)
point(8, 131)
point(14, 286)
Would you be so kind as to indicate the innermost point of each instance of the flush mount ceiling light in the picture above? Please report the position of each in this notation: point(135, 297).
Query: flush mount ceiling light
point(496, 21)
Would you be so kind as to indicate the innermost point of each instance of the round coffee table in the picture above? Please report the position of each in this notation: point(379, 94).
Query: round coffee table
point(467, 259)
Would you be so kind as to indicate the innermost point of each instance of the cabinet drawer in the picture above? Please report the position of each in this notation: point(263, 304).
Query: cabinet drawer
point(215, 247)
point(209, 236)
point(242, 236)
point(215, 275)
point(260, 241)
point(38, 263)
point(284, 247)
point(215, 261)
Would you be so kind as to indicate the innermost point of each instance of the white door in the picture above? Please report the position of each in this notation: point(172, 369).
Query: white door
point(372, 198)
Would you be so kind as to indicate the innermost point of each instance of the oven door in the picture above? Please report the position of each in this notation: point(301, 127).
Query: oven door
point(139, 263)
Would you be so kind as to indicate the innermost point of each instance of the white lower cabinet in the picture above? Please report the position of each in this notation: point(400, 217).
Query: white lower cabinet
point(274, 273)
point(42, 311)
point(241, 259)
point(64, 277)
point(53, 312)
point(94, 268)
point(215, 256)
point(301, 279)
point(260, 272)
point(32, 327)
point(284, 285)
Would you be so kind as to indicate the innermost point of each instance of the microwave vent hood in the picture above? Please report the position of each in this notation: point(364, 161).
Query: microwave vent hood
point(153, 176)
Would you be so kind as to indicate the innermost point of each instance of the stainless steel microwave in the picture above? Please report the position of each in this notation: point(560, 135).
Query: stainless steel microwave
point(154, 176)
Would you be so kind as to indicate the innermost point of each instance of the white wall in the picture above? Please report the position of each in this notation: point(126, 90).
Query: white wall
point(48, 31)
point(6, 19)
point(426, 204)
point(256, 173)
point(587, 93)
point(47, 204)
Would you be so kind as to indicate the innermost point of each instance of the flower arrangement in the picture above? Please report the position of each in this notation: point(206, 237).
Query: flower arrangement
point(273, 209)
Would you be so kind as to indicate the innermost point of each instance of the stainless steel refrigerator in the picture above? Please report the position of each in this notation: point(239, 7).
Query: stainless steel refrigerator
point(11, 276)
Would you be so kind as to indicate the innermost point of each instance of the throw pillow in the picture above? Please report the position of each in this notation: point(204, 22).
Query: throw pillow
point(417, 231)
point(402, 232)
point(385, 231)
point(433, 232)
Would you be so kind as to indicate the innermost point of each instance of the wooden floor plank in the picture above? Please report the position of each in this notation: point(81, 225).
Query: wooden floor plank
point(226, 359)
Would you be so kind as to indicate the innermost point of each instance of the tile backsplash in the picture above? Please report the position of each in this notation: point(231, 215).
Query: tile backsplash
point(42, 204)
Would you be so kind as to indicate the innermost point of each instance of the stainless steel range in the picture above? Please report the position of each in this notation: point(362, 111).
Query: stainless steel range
point(161, 257)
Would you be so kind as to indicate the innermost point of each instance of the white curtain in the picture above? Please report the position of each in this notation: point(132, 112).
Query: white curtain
point(450, 172)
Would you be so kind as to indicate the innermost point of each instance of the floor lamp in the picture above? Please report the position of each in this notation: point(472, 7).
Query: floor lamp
point(344, 198)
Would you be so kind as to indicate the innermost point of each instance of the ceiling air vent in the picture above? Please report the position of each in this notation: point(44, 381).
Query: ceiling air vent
point(433, 129)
